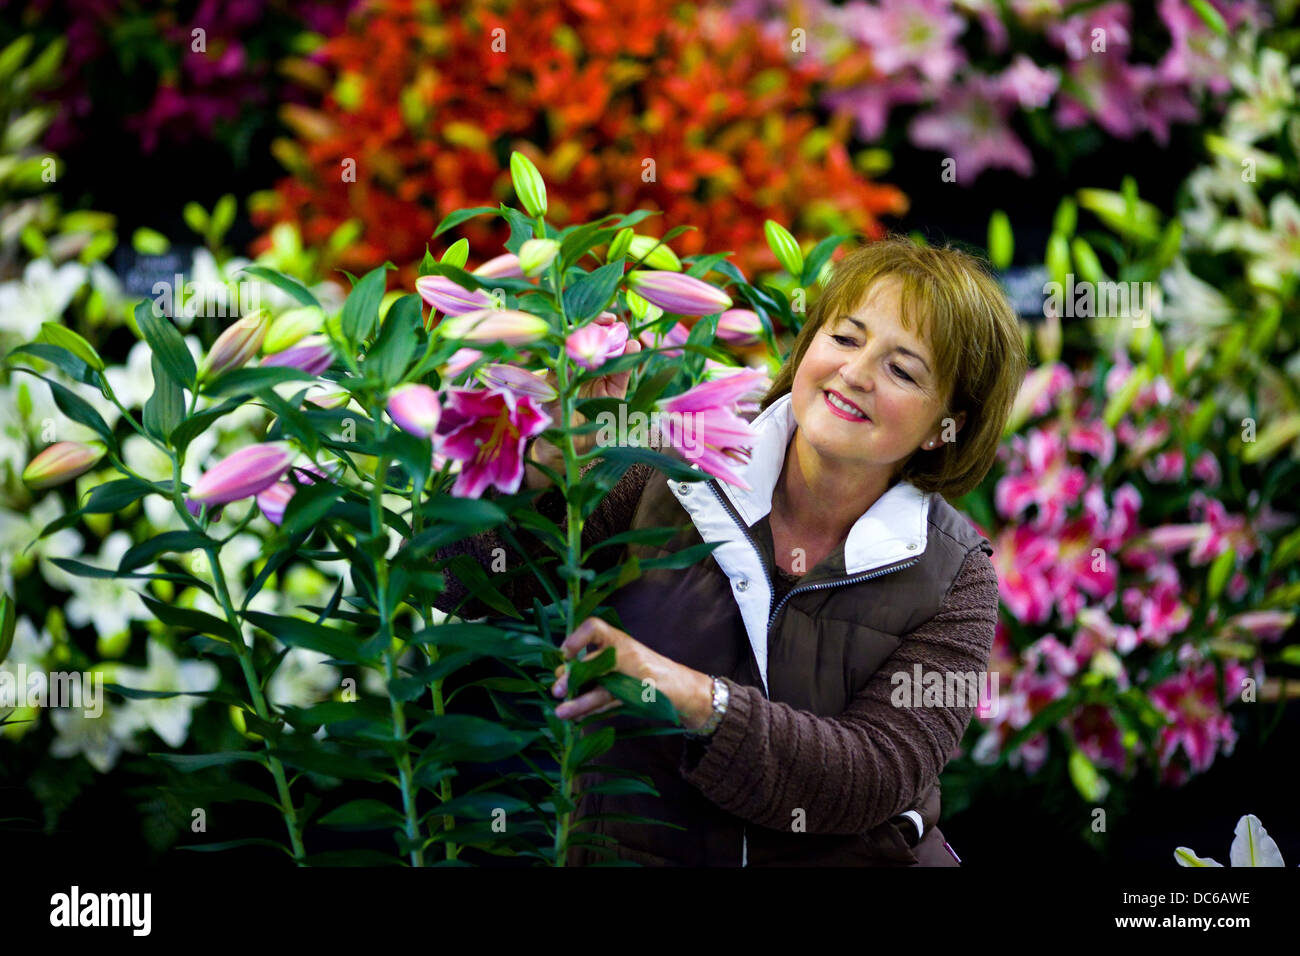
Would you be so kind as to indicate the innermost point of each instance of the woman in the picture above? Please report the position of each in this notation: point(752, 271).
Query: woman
point(841, 578)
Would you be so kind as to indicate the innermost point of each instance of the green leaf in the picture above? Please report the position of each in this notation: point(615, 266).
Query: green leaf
point(1001, 242)
point(364, 814)
point(454, 219)
point(286, 283)
point(468, 572)
point(246, 381)
point(813, 262)
point(66, 338)
point(59, 357)
point(397, 341)
point(192, 762)
point(75, 407)
point(112, 496)
point(586, 298)
point(309, 504)
point(199, 621)
point(630, 691)
point(362, 306)
point(583, 670)
point(233, 844)
point(414, 453)
point(465, 738)
point(290, 419)
point(196, 424)
point(337, 643)
point(165, 409)
point(589, 746)
point(145, 552)
point(167, 344)
point(1210, 17)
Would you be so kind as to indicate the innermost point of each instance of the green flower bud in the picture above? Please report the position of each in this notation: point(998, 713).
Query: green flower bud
point(660, 258)
point(529, 185)
point(290, 327)
point(457, 254)
point(536, 254)
point(618, 248)
point(784, 247)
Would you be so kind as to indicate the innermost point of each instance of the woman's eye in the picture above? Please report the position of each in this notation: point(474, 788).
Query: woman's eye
point(844, 340)
point(900, 371)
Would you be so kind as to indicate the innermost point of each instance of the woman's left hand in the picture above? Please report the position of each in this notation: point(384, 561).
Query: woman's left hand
point(681, 684)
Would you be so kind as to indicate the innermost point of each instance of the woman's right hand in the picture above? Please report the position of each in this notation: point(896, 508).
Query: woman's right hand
point(543, 451)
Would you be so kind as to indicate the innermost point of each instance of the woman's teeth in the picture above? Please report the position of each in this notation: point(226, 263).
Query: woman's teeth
point(844, 406)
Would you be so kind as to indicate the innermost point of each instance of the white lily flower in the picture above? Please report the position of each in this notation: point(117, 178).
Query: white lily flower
point(41, 295)
point(110, 604)
point(18, 529)
point(168, 717)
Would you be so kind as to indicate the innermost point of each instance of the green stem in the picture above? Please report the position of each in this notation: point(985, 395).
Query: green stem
point(287, 808)
point(380, 537)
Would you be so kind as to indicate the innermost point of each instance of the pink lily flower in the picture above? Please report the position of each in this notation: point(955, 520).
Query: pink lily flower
point(460, 360)
point(596, 343)
point(486, 429)
point(313, 355)
point(918, 33)
point(1022, 558)
point(415, 409)
point(677, 335)
point(508, 326)
point(1198, 726)
point(243, 474)
point(970, 124)
point(444, 295)
point(705, 426)
point(1046, 480)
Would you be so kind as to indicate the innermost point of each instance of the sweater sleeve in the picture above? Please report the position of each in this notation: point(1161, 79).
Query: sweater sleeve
point(851, 772)
point(613, 515)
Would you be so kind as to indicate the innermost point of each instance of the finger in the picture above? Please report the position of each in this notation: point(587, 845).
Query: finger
point(583, 705)
point(618, 383)
point(590, 631)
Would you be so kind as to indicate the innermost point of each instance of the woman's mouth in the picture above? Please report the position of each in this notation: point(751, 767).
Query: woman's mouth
point(843, 409)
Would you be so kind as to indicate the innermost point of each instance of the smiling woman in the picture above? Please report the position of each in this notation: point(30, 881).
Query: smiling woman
point(838, 565)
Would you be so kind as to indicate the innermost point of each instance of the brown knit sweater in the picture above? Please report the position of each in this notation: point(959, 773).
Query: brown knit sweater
point(850, 772)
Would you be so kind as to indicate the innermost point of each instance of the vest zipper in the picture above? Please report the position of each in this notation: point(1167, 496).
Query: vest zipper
point(853, 579)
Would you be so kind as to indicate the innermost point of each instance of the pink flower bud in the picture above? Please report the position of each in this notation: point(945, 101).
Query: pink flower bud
point(62, 462)
point(446, 296)
point(243, 474)
point(502, 267)
point(678, 293)
point(235, 346)
point(415, 409)
point(508, 326)
point(519, 380)
point(741, 326)
point(312, 355)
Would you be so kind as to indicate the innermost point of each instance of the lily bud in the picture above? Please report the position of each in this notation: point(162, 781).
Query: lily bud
point(508, 326)
point(784, 247)
point(536, 254)
point(460, 360)
point(457, 254)
point(593, 345)
point(641, 310)
point(679, 293)
point(235, 346)
point(243, 474)
point(312, 355)
point(661, 258)
point(446, 296)
point(289, 328)
point(502, 267)
point(618, 247)
point(740, 326)
point(62, 461)
point(518, 380)
point(323, 397)
point(415, 409)
point(274, 499)
point(529, 185)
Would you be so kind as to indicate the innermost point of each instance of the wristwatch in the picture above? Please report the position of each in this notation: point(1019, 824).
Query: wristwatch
point(720, 695)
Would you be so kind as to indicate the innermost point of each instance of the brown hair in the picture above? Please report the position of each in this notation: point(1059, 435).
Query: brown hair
point(973, 334)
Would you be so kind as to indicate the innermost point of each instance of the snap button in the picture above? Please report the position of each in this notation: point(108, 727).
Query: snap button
point(684, 488)
point(911, 547)
point(742, 585)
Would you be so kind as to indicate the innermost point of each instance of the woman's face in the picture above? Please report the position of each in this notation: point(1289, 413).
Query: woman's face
point(868, 360)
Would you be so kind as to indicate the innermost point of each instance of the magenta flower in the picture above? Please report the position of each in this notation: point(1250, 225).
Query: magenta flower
point(705, 426)
point(596, 343)
point(243, 474)
point(445, 295)
point(460, 360)
point(677, 292)
point(415, 409)
point(870, 103)
point(313, 355)
point(677, 335)
point(1197, 724)
point(1045, 478)
point(1026, 84)
point(485, 429)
